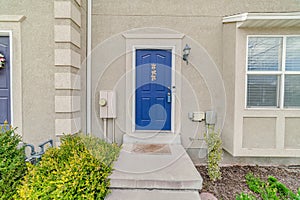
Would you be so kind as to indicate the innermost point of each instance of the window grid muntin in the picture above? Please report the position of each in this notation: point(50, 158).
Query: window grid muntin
point(281, 73)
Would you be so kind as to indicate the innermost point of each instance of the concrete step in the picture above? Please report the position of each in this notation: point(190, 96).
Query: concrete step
point(152, 194)
point(168, 169)
point(152, 138)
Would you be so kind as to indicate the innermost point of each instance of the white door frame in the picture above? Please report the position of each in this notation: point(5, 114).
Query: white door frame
point(8, 33)
point(173, 84)
point(10, 25)
point(153, 41)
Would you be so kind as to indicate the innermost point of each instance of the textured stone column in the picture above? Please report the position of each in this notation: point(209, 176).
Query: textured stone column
point(67, 36)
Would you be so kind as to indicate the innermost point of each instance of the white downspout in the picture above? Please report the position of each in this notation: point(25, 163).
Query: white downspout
point(89, 68)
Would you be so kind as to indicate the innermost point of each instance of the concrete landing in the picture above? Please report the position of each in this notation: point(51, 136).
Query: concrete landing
point(152, 194)
point(152, 138)
point(168, 170)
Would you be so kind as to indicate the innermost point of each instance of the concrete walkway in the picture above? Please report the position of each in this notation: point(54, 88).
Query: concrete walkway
point(160, 171)
point(153, 195)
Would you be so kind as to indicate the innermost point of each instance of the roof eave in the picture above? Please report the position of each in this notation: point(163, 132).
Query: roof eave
point(262, 16)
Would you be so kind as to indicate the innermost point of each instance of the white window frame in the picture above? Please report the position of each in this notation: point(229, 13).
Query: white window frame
point(281, 74)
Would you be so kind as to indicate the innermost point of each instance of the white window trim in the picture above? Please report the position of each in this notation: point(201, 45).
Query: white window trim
point(281, 73)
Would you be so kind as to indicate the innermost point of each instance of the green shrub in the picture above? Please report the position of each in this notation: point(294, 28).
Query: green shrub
point(102, 150)
point(271, 189)
point(215, 153)
point(244, 196)
point(255, 184)
point(70, 172)
point(282, 190)
point(12, 162)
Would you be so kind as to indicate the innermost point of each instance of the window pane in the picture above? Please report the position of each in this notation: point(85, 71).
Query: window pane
point(262, 90)
point(264, 53)
point(292, 91)
point(292, 54)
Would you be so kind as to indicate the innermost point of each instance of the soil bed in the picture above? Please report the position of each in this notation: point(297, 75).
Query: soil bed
point(233, 179)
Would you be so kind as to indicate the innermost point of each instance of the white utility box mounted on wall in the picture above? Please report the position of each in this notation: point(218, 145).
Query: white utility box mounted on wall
point(210, 117)
point(197, 116)
point(107, 102)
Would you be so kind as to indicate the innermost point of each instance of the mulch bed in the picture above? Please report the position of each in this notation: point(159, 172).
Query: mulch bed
point(233, 179)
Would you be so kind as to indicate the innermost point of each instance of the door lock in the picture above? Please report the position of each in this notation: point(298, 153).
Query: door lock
point(169, 97)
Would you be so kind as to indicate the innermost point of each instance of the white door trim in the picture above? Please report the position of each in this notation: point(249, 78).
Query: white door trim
point(158, 41)
point(12, 28)
point(173, 84)
point(9, 34)
point(14, 32)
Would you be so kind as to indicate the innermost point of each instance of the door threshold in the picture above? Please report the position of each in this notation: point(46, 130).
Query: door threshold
point(152, 138)
point(153, 132)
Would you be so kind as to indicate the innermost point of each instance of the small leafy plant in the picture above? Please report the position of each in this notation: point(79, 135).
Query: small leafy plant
point(271, 189)
point(215, 153)
point(105, 152)
point(244, 196)
point(71, 171)
point(12, 162)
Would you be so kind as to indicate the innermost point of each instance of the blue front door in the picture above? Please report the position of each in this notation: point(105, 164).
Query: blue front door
point(153, 89)
point(5, 82)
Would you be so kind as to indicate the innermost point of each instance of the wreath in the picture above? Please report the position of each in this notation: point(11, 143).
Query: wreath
point(2, 61)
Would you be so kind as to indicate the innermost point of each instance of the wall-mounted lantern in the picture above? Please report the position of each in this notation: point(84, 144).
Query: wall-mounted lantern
point(2, 61)
point(186, 52)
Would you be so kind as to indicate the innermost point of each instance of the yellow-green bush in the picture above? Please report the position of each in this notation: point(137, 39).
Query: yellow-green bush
point(215, 153)
point(12, 162)
point(70, 172)
point(103, 151)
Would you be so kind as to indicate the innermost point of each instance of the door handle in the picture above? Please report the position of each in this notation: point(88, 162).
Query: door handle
point(169, 97)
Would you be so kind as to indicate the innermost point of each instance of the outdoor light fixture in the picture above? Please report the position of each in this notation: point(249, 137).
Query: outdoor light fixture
point(186, 52)
point(2, 61)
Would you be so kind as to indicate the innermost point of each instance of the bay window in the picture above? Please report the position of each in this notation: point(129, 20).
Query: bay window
point(273, 72)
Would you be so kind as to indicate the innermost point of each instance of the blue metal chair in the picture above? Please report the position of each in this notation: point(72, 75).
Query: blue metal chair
point(34, 156)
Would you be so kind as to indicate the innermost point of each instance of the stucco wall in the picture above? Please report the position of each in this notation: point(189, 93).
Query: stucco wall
point(37, 78)
point(70, 50)
point(50, 58)
point(229, 57)
point(201, 22)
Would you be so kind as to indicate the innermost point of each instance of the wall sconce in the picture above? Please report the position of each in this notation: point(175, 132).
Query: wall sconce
point(2, 61)
point(186, 52)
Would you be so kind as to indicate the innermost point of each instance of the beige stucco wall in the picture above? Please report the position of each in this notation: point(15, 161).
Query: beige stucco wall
point(292, 127)
point(52, 49)
point(213, 45)
point(110, 72)
point(37, 71)
point(70, 66)
point(229, 57)
point(201, 22)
